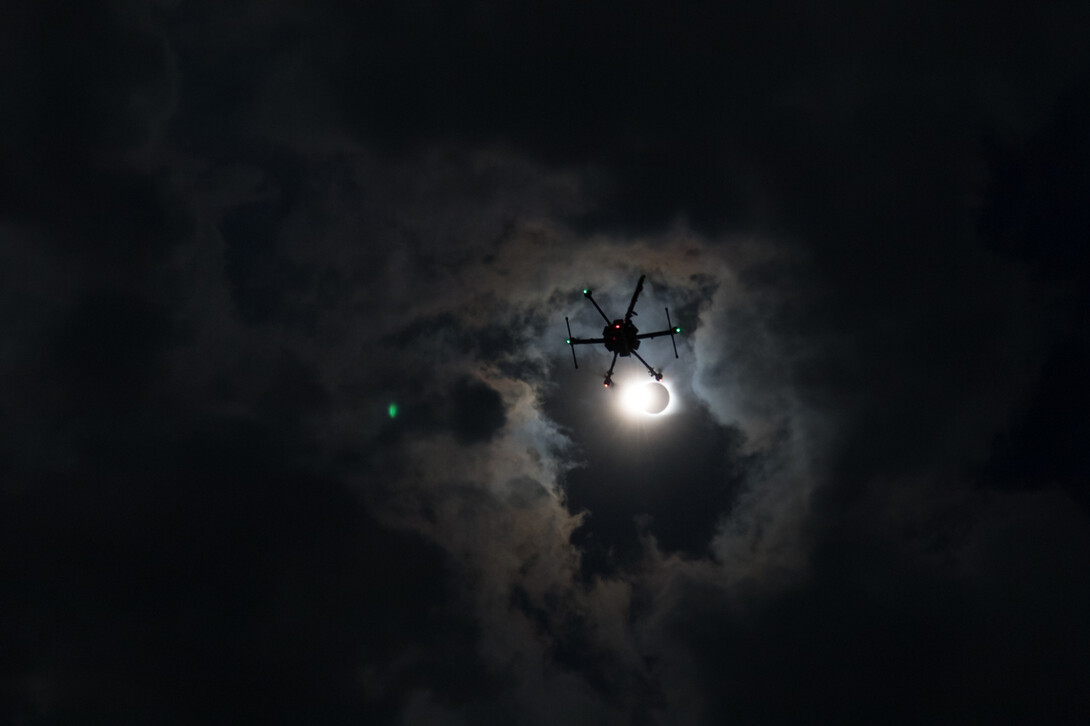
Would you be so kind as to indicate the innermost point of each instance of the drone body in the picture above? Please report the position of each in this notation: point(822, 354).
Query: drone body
point(621, 336)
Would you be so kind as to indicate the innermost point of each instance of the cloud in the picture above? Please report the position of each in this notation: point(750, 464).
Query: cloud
point(231, 244)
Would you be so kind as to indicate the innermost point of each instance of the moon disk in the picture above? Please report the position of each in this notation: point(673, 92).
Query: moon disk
point(650, 398)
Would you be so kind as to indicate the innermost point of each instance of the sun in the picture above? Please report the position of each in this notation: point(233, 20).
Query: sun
point(645, 399)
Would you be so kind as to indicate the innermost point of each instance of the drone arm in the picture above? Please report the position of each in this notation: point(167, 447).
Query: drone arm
point(654, 374)
point(632, 305)
point(671, 331)
point(590, 296)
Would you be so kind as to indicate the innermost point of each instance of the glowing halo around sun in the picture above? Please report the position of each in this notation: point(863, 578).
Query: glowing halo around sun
point(646, 399)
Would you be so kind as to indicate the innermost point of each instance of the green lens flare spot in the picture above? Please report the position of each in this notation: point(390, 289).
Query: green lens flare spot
point(392, 410)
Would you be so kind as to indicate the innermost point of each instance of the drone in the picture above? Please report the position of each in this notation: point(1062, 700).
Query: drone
point(621, 336)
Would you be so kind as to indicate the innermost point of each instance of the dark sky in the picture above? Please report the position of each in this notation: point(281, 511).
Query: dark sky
point(232, 234)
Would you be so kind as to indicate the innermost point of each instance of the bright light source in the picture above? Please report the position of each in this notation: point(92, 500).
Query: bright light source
point(584, 291)
point(392, 410)
point(568, 341)
point(645, 399)
point(677, 330)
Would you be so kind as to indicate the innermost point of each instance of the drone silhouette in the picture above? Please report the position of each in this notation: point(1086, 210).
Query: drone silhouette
point(621, 336)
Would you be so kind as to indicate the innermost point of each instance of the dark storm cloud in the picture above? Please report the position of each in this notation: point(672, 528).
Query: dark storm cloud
point(167, 555)
point(472, 411)
point(84, 87)
point(878, 631)
point(84, 80)
point(699, 110)
point(232, 236)
point(601, 85)
point(1037, 213)
point(199, 565)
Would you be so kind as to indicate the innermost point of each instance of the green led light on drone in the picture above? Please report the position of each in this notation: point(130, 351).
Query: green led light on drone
point(568, 341)
point(584, 291)
point(392, 410)
point(677, 330)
